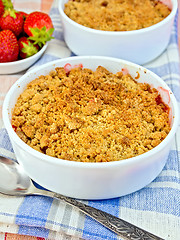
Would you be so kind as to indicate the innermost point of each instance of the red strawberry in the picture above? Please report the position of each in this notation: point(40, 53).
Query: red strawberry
point(39, 27)
point(1, 8)
point(9, 48)
point(12, 20)
point(27, 48)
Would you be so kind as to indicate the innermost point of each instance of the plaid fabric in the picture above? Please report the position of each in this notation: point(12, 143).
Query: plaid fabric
point(155, 208)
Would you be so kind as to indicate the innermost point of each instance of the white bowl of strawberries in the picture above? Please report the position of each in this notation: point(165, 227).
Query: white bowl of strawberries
point(23, 38)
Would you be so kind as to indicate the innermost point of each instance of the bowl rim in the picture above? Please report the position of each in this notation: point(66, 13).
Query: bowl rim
point(119, 33)
point(96, 165)
point(25, 60)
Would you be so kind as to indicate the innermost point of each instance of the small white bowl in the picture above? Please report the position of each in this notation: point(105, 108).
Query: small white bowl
point(139, 46)
point(21, 65)
point(92, 180)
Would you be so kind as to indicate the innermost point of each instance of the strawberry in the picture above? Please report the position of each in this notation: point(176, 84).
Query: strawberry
point(27, 48)
point(12, 20)
point(39, 27)
point(9, 48)
point(1, 8)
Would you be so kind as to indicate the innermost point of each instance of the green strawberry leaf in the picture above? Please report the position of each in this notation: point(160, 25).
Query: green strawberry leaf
point(29, 49)
point(41, 36)
point(7, 4)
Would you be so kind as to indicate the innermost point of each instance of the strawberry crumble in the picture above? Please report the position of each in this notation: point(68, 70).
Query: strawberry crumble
point(116, 15)
point(90, 116)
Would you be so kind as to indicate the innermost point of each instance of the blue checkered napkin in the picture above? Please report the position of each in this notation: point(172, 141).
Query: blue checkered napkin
point(155, 208)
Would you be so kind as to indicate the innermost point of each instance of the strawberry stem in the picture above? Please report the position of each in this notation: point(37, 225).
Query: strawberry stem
point(29, 49)
point(10, 12)
point(41, 36)
point(7, 4)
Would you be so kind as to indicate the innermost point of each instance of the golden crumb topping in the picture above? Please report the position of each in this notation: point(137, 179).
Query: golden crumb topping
point(116, 15)
point(90, 116)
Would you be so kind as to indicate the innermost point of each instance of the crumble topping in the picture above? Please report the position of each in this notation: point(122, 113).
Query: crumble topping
point(116, 15)
point(90, 116)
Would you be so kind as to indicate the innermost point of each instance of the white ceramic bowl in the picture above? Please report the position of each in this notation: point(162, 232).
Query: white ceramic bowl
point(138, 46)
point(92, 180)
point(21, 65)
